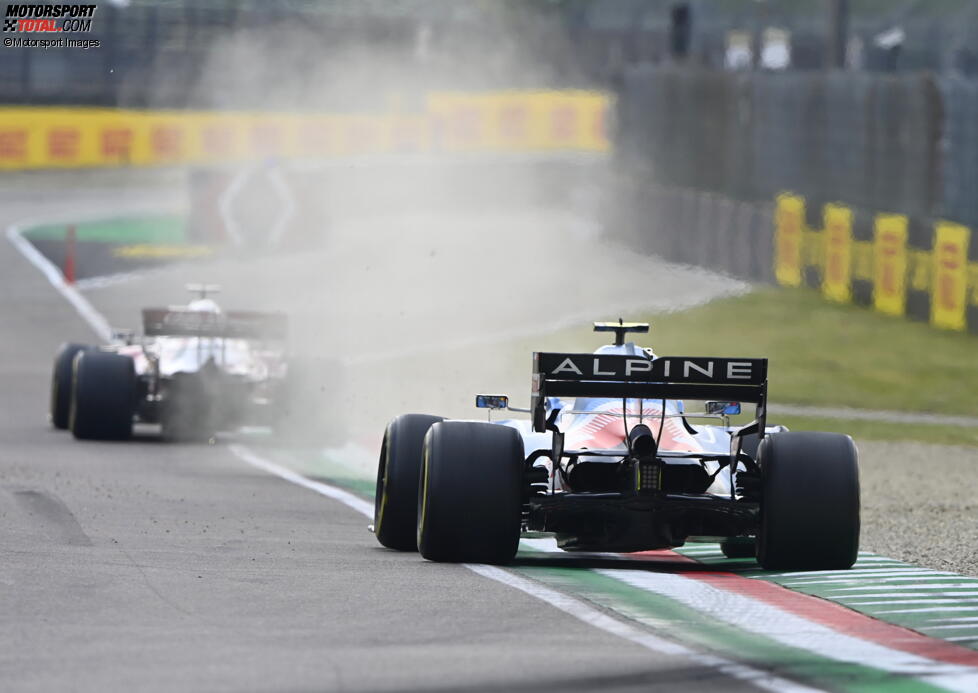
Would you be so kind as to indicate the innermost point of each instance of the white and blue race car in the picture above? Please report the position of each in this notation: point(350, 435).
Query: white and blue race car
point(196, 370)
point(610, 461)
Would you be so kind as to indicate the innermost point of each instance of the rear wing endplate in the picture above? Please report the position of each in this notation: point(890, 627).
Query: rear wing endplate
point(240, 324)
point(644, 377)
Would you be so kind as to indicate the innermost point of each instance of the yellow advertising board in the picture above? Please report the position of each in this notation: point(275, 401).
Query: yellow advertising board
point(519, 121)
point(890, 264)
point(837, 270)
point(950, 276)
point(789, 221)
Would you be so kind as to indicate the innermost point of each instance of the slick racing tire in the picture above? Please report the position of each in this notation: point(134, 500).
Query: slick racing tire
point(739, 547)
point(60, 408)
point(471, 495)
point(103, 397)
point(809, 502)
point(398, 472)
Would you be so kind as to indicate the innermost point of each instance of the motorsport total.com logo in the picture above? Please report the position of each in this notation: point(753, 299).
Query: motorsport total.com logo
point(48, 18)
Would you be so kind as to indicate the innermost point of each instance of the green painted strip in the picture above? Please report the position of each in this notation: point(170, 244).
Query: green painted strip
point(153, 230)
point(695, 629)
point(327, 469)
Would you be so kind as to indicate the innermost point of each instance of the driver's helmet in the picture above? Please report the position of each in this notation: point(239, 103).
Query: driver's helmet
point(626, 349)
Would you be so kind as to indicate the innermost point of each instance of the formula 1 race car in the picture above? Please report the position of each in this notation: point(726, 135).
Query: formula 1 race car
point(609, 461)
point(197, 370)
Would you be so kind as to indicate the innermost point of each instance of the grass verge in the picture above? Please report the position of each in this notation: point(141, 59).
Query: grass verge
point(167, 230)
point(880, 430)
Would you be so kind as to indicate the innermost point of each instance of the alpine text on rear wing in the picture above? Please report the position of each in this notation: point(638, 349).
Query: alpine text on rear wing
point(643, 377)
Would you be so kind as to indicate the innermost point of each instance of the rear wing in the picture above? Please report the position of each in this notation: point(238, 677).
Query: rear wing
point(643, 377)
point(235, 324)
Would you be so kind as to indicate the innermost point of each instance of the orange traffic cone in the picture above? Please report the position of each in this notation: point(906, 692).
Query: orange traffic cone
point(69, 268)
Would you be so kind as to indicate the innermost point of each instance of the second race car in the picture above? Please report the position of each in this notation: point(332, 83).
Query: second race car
point(197, 370)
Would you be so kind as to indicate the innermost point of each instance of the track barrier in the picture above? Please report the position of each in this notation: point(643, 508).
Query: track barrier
point(463, 123)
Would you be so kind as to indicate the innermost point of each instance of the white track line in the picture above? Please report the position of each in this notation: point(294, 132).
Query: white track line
point(95, 320)
point(570, 605)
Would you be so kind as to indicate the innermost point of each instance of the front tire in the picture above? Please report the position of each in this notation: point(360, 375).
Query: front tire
point(471, 496)
point(398, 472)
point(809, 502)
point(103, 396)
point(61, 384)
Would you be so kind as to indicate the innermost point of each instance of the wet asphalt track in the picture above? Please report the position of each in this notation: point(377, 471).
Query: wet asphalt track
point(144, 566)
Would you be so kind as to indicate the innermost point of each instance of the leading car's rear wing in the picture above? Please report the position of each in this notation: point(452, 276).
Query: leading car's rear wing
point(237, 324)
point(641, 377)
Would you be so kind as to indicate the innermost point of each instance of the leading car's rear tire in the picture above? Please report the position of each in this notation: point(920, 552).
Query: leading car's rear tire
point(471, 496)
point(103, 396)
point(398, 472)
point(809, 502)
point(61, 378)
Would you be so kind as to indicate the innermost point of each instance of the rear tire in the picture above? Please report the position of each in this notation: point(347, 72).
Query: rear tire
point(61, 379)
point(809, 502)
point(471, 495)
point(398, 472)
point(103, 396)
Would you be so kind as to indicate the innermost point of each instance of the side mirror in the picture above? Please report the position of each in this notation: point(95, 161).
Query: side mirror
point(723, 408)
point(491, 401)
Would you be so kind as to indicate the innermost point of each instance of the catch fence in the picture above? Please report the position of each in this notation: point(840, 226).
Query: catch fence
point(882, 172)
